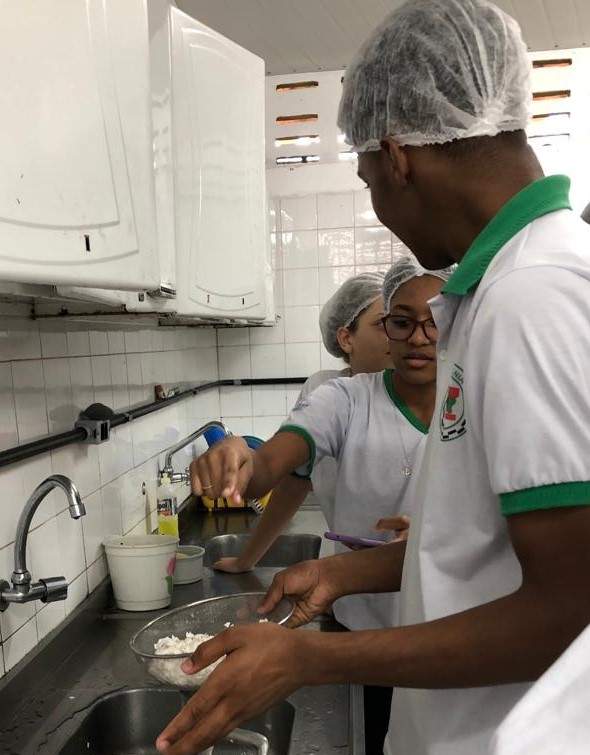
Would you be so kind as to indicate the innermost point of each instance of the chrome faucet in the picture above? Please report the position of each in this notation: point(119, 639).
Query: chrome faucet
point(168, 470)
point(23, 588)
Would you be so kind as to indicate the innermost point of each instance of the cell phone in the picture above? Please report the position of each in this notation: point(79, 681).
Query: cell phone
point(362, 542)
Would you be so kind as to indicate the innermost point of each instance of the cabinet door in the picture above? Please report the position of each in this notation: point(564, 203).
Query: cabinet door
point(76, 197)
point(220, 204)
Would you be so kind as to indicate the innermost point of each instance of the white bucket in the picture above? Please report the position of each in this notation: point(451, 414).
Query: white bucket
point(142, 570)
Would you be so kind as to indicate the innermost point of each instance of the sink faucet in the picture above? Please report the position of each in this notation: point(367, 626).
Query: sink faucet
point(168, 470)
point(23, 588)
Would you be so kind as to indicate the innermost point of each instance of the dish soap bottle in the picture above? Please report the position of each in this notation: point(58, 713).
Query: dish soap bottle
point(167, 507)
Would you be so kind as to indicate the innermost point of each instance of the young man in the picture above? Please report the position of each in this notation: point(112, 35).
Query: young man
point(495, 572)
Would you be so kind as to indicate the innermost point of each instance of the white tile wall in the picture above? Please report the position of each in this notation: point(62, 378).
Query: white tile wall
point(48, 373)
point(301, 287)
point(268, 361)
point(335, 210)
point(318, 241)
point(300, 249)
point(298, 213)
point(336, 247)
point(301, 324)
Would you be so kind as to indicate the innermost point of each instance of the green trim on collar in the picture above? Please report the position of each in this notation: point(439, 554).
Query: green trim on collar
point(401, 404)
point(303, 433)
point(558, 496)
point(535, 200)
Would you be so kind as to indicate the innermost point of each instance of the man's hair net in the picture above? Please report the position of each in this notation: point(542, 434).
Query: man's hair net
point(434, 71)
point(343, 307)
point(404, 270)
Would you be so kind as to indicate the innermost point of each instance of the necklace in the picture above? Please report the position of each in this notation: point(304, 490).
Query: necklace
point(406, 466)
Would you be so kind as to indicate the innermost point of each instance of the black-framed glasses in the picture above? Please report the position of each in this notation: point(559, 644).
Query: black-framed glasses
point(402, 328)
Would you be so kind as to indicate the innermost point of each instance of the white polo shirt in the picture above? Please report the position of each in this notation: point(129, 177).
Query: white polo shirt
point(323, 476)
point(552, 718)
point(510, 434)
point(366, 427)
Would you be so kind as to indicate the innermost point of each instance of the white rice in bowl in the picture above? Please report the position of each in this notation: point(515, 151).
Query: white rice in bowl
point(168, 670)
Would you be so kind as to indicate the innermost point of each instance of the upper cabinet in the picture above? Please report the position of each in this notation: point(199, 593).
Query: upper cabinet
point(132, 153)
point(217, 120)
point(77, 201)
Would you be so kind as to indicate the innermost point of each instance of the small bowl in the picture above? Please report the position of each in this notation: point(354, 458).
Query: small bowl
point(189, 564)
point(210, 616)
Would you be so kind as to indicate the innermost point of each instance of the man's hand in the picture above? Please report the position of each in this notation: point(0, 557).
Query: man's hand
point(265, 663)
point(224, 471)
point(308, 585)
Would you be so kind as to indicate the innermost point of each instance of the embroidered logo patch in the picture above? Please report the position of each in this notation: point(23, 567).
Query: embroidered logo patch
point(453, 423)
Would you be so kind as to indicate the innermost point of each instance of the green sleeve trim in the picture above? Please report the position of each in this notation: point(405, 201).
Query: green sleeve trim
point(560, 495)
point(401, 404)
point(303, 433)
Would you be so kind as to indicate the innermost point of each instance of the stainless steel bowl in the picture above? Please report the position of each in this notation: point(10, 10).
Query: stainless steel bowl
point(210, 616)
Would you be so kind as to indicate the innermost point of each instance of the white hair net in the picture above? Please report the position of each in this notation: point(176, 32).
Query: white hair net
point(353, 296)
point(434, 71)
point(404, 270)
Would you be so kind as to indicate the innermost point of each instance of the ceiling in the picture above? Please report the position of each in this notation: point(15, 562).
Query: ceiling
point(298, 36)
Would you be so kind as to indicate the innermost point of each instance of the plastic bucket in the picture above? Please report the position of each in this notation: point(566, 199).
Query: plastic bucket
point(142, 570)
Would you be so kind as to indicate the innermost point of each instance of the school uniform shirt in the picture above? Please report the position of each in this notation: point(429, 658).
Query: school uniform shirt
point(363, 424)
point(319, 378)
point(552, 718)
point(323, 476)
point(510, 434)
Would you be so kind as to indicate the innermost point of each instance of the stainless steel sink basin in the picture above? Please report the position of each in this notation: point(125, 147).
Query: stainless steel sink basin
point(128, 722)
point(286, 550)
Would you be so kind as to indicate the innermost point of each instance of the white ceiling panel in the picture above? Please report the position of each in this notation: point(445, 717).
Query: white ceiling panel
point(298, 36)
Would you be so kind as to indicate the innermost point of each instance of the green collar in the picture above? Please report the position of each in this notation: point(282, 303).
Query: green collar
point(539, 198)
point(401, 404)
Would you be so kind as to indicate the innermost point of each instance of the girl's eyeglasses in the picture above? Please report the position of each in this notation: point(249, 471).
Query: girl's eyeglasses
point(400, 328)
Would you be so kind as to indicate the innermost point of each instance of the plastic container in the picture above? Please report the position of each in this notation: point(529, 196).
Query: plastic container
point(189, 564)
point(167, 508)
point(209, 616)
point(142, 570)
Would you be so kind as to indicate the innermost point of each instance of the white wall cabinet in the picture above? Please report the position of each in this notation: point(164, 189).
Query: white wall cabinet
point(77, 201)
point(217, 118)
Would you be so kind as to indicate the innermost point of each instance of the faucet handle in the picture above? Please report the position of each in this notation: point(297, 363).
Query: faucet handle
point(56, 588)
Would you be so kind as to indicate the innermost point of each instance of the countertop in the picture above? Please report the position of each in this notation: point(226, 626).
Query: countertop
point(44, 702)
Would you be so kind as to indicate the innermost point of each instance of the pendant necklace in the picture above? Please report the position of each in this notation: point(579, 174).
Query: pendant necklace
point(406, 469)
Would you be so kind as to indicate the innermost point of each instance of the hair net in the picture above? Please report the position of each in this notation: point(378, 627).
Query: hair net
point(346, 304)
point(407, 268)
point(435, 71)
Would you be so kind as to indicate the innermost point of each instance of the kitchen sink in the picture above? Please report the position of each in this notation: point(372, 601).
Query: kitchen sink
point(127, 723)
point(286, 550)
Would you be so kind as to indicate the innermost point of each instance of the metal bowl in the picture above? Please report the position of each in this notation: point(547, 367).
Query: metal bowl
point(210, 616)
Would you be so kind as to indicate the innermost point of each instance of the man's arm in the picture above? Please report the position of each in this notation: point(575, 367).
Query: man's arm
point(314, 585)
point(513, 639)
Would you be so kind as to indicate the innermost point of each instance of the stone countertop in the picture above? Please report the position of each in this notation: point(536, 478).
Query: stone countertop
point(43, 703)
